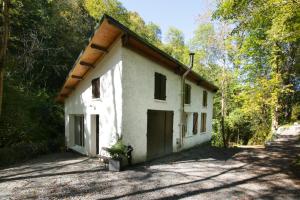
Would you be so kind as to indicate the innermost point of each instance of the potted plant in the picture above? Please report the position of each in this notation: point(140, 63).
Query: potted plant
point(117, 152)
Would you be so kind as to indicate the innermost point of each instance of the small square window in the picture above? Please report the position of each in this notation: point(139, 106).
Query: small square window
point(96, 88)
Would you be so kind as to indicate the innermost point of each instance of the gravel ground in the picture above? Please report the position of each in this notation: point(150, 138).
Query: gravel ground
point(200, 173)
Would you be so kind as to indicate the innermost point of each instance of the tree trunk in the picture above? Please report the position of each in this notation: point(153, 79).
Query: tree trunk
point(289, 79)
point(4, 40)
point(223, 106)
point(275, 118)
point(223, 120)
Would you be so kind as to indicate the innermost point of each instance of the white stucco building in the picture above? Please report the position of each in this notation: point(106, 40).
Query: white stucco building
point(122, 86)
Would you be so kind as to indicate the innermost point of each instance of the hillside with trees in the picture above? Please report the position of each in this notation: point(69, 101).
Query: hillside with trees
point(249, 49)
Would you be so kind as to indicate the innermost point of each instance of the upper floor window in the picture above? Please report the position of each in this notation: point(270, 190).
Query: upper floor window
point(187, 94)
point(96, 88)
point(160, 86)
point(204, 100)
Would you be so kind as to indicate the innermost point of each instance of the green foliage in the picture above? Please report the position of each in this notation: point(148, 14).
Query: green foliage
point(45, 39)
point(31, 124)
point(266, 34)
point(29, 117)
point(114, 8)
point(175, 45)
point(296, 113)
point(117, 150)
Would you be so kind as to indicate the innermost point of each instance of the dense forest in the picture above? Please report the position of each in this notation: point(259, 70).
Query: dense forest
point(249, 49)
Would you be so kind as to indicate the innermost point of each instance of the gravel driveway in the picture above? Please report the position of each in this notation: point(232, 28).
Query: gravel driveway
point(200, 173)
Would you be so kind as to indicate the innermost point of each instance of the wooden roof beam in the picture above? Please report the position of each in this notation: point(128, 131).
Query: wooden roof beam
point(77, 77)
point(86, 64)
point(70, 88)
point(99, 48)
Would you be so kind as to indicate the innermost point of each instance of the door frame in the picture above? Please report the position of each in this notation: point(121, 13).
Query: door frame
point(97, 132)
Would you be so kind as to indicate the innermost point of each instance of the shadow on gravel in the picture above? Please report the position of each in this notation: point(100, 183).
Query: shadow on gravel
point(272, 192)
point(49, 164)
point(278, 155)
point(50, 174)
point(197, 154)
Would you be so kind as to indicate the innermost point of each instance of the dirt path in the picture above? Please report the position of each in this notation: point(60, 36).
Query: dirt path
point(200, 173)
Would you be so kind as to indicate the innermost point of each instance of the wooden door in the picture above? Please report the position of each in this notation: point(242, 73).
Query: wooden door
point(159, 133)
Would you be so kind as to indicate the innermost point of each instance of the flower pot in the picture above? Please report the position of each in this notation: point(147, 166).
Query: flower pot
point(115, 165)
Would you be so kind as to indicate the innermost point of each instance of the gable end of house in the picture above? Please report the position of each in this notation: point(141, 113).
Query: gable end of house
point(99, 45)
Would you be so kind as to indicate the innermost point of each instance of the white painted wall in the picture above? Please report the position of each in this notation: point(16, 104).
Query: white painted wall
point(138, 97)
point(127, 92)
point(109, 106)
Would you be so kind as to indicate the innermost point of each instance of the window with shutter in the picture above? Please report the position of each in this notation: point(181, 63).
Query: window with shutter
point(160, 86)
point(96, 88)
point(204, 100)
point(185, 124)
point(79, 129)
point(195, 123)
point(187, 94)
point(203, 122)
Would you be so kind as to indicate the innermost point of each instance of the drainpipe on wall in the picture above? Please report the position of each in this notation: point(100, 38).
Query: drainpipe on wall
point(182, 114)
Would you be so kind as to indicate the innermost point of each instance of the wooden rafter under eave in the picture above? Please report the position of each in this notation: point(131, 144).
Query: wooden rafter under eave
point(77, 77)
point(99, 48)
point(86, 64)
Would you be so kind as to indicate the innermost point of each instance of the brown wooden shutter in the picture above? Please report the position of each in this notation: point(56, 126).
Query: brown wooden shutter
point(204, 98)
point(184, 127)
point(163, 87)
point(156, 86)
point(203, 122)
point(187, 94)
point(195, 123)
point(82, 131)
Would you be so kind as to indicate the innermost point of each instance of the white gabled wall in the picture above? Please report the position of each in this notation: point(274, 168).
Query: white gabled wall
point(138, 97)
point(127, 92)
point(109, 106)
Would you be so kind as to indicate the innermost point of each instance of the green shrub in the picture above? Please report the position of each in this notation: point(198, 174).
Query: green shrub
point(261, 133)
point(117, 150)
point(216, 140)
